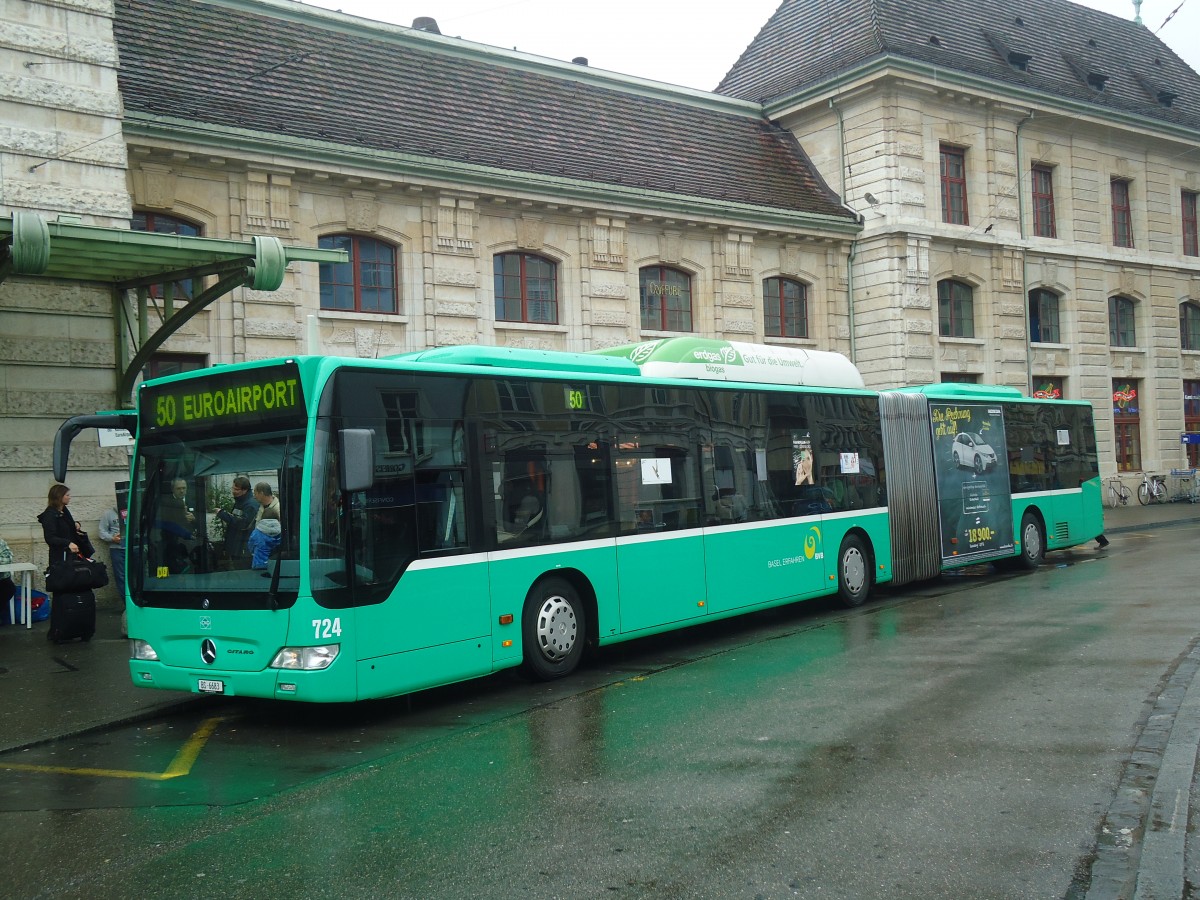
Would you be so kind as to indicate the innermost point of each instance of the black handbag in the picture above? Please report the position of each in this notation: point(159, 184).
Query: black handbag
point(77, 574)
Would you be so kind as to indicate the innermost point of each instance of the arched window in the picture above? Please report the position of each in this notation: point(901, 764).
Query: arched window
point(367, 283)
point(666, 299)
point(1189, 326)
point(526, 288)
point(1122, 330)
point(1043, 317)
point(956, 309)
point(785, 307)
point(161, 223)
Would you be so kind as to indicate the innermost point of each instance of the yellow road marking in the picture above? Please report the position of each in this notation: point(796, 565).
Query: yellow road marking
point(180, 765)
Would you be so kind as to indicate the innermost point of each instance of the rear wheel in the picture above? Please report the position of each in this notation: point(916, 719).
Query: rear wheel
point(1144, 494)
point(1033, 543)
point(854, 571)
point(553, 629)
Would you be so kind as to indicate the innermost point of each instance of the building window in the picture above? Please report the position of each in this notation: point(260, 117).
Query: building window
point(1048, 389)
point(1043, 202)
point(954, 185)
point(1189, 326)
point(1191, 244)
point(959, 378)
point(666, 299)
point(526, 288)
point(1043, 317)
point(159, 223)
point(956, 310)
point(1127, 425)
point(785, 307)
point(1121, 215)
point(1191, 420)
point(162, 364)
point(1122, 330)
point(367, 283)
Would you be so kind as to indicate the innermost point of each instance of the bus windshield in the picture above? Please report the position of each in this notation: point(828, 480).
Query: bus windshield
point(201, 544)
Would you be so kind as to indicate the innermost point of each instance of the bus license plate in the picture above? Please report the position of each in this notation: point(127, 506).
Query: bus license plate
point(211, 687)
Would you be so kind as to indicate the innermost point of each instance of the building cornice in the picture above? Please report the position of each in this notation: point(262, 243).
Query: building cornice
point(854, 79)
point(221, 141)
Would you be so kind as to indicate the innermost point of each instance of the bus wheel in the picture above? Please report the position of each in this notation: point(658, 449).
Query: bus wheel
point(854, 571)
point(1033, 543)
point(553, 629)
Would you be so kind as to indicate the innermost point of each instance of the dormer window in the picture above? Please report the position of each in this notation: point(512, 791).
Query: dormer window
point(1164, 96)
point(1019, 60)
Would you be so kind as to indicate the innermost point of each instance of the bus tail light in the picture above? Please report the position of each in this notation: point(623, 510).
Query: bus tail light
point(142, 650)
point(305, 658)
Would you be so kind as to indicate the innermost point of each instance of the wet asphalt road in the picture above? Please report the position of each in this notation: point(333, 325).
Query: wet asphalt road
point(984, 736)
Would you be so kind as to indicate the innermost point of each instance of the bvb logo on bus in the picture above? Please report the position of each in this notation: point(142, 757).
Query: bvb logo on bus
point(812, 542)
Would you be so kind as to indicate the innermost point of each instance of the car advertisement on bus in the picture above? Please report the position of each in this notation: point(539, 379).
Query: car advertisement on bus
point(974, 497)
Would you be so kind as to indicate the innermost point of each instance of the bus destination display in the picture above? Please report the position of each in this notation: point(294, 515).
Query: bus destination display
point(270, 394)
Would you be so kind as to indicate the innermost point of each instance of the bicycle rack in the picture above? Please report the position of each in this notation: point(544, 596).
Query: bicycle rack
point(1187, 487)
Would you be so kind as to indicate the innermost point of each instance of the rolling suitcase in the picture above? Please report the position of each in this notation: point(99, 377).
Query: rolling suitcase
point(72, 615)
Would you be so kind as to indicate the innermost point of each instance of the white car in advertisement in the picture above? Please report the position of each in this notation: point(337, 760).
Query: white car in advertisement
point(971, 451)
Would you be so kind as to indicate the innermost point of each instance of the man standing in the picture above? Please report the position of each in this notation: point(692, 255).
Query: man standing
point(112, 530)
point(266, 500)
point(239, 522)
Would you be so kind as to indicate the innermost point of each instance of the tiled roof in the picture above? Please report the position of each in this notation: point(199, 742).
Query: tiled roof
point(808, 41)
point(284, 70)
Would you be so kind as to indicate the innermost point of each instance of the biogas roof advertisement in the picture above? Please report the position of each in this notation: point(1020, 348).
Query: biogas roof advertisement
point(971, 464)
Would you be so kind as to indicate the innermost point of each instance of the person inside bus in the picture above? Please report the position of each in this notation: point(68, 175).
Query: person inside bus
point(175, 518)
point(264, 538)
point(526, 517)
point(239, 522)
point(266, 500)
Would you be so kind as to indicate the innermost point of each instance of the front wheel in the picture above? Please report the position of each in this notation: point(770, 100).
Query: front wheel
point(553, 629)
point(854, 571)
point(1144, 494)
point(1033, 543)
point(979, 466)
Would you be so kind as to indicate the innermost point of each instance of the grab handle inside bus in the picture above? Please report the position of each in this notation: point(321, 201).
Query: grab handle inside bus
point(357, 459)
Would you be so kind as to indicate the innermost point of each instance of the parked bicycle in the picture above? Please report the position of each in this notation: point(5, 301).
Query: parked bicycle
point(1153, 489)
point(1118, 494)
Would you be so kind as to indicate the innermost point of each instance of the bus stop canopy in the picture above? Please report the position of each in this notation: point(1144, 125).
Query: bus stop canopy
point(66, 250)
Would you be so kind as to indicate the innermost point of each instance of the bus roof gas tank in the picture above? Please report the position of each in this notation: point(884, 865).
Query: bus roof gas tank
point(715, 360)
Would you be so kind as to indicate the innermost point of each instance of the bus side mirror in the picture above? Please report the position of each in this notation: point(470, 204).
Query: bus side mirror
point(356, 458)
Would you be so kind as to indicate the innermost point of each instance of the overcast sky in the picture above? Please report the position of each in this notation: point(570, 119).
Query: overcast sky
point(688, 42)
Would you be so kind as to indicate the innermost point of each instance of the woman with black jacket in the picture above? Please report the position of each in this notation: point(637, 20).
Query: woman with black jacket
point(73, 613)
point(63, 534)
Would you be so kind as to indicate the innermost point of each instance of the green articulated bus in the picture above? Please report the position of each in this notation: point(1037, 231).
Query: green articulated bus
point(452, 512)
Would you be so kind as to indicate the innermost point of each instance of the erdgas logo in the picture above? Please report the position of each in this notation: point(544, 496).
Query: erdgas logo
point(208, 652)
point(726, 355)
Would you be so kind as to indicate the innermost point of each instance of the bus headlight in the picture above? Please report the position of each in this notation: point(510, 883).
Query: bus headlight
point(141, 650)
point(305, 658)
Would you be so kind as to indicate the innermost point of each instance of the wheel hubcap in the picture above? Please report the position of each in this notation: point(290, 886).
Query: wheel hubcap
point(557, 629)
point(854, 571)
point(1033, 541)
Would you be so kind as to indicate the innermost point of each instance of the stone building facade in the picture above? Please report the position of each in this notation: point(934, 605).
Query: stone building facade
point(1032, 165)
